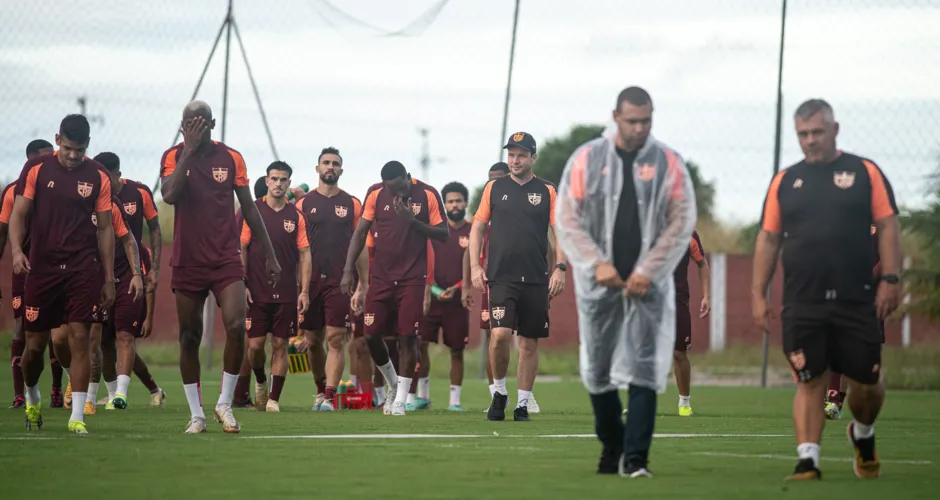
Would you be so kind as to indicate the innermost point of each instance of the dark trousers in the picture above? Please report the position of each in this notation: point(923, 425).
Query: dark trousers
point(635, 438)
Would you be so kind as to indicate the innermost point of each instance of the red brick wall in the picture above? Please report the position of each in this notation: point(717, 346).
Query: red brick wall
point(564, 330)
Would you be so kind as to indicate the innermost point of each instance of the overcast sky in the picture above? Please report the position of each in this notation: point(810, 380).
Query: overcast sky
point(327, 80)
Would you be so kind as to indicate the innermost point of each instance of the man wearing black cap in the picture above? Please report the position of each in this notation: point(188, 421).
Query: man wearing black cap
point(520, 211)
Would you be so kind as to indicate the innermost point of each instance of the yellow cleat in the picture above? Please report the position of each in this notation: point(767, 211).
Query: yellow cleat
point(866, 464)
point(77, 427)
point(685, 411)
point(68, 396)
point(833, 412)
point(33, 416)
point(109, 406)
point(89, 408)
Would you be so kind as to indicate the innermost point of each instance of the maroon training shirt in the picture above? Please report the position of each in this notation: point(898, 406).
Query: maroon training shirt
point(136, 203)
point(286, 230)
point(330, 225)
point(448, 256)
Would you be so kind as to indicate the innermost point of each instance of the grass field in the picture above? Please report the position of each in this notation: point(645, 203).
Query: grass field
point(141, 452)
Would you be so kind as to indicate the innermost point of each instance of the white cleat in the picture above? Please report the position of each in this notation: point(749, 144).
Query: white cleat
point(532, 405)
point(327, 405)
point(398, 409)
point(318, 401)
point(158, 398)
point(197, 425)
point(261, 395)
point(224, 415)
point(390, 399)
point(272, 407)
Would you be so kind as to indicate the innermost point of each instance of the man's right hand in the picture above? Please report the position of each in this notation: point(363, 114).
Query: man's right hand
point(605, 274)
point(193, 132)
point(760, 313)
point(20, 263)
point(478, 277)
point(346, 285)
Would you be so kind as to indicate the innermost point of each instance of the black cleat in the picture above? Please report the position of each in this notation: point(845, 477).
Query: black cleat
point(18, 402)
point(243, 404)
point(635, 469)
point(805, 471)
point(609, 462)
point(521, 414)
point(497, 411)
point(57, 400)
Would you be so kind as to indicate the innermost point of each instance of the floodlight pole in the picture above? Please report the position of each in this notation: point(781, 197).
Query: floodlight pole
point(512, 57)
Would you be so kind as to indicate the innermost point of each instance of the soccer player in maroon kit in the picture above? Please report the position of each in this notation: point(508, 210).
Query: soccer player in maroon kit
point(35, 148)
point(405, 213)
point(275, 309)
point(67, 255)
point(199, 178)
point(332, 215)
point(681, 367)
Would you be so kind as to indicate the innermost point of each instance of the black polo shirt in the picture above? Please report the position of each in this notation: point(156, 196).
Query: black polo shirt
point(519, 216)
point(825, 213)
point(628, 237)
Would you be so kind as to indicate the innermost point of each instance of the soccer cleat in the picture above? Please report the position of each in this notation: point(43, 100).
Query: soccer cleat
point(833, 412)
point(422, 404)
point(197, 425)
point(33, 416)
point(77, 427)
point(533, 406)
point(389, 399)
point(456, 408)
point(223, 415)
point(272, 406)
point(318, 401)
point(245, 403)
point(109, 405)
point(261, 396)
point(103, 401)
point(398, 409)
point(633, 470)
point(158, 398)
point(89, 408)
point(18, 402)
point(327, 405)
point(68, 396)
point(866, 464)
point(119, 401)
point(685, 411)
point(521, 414)
point(609, 462)
point(805, 471)
point(497, 411)
point(57, 400)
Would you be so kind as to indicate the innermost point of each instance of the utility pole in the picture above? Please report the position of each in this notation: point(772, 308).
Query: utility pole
point(83, 109)
point(425, 160)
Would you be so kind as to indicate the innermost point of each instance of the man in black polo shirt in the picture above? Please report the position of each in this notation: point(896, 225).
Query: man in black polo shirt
point(520, 209)
point(818, 215)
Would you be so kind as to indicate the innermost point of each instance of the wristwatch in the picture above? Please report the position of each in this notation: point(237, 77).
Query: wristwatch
point(891, 279)
point(563, 267)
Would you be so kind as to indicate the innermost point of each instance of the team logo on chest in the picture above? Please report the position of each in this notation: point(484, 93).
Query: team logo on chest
point(219, 174)
point(368, 319)
point(416, 208)
point(84, 189)
point(464, 241)
point(843, 180)
point(289, 225)
point(535, 199)
point(645, 172)
point(499, 313)
point(341, 211)
point(130, 208)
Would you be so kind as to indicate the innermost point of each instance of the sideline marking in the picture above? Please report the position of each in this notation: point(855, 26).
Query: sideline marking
point(478, 436)
point(787, 457)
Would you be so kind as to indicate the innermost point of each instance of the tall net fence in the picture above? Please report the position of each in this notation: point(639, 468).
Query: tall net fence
point(366, 76)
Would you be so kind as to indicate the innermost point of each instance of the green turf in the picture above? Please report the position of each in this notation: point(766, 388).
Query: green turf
point(141, 452)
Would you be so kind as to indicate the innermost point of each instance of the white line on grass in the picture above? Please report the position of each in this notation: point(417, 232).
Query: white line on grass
point(466, 436)
point(787, 457)
point(24, 438)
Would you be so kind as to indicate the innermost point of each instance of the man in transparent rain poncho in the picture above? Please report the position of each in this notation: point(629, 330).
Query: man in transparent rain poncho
point(625, 213)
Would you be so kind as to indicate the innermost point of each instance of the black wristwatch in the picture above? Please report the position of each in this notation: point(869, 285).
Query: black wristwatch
point(563, 267)
point(891, 279)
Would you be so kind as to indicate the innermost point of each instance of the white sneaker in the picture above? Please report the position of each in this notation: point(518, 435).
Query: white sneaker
point(318, 401)
point(158, 398)
point(272, 406)
point(224, 415)
point(390, 399)
point(326, 405)
point(197, 425)
point(532, 405)
point(398, 409)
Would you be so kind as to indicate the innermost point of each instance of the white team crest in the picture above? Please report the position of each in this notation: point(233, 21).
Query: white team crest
point(84, 189)
point(130, 208)
point(219, 174)
point(535, 198)
point(247, 323)
point(289, 226)
point(416, 208)
point(843, 180)
point(464, 241)
point(341, 211)
point(94, 219)
point(499, 313)
point(368, 319)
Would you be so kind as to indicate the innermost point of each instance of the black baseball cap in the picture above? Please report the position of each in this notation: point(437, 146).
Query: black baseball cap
point(522, 140)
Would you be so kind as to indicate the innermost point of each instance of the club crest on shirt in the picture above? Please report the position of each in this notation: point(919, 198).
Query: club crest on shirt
point(17, 302)
point(798, 360)
point(94, 219)
point(416, 208)
point(84, 189)
point(464, 241)
point(289, 226)
point(645, 172)
point(219, 174)
point(247, 323)
point(341, 211)
point(843, 180)
point(32, 313)
point(368, 319)
point(535, 198)
point(130, 208)
point(499, 313)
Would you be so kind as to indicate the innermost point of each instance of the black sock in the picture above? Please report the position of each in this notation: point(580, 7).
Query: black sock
point(607, 419)
point(638, 433)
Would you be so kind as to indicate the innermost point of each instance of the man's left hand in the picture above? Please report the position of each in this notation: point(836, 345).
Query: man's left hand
point(637, 285)
point(887, 299)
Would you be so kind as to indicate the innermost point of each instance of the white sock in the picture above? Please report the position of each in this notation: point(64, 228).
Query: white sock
point(112, 388)
point(32, 395)
point(194, 398)
point(809, 450)
point(388, 371)
point(492, 390)
point(380, 393)
point(404, 385)
point(684, 400)
point(123, 381)
point(92, 393)
point(424, 388)
point(411, 399)
point(455, 395)
point(228, 388)
point(862, 431)
point(499, 385)
point(524, 397)
point(78, 406)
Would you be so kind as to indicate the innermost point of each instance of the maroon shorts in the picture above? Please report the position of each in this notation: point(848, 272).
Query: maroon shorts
point(357, 325)
point(393, 309)
point(51, 300)
point(683, 325)
point(196, 282)
point(128, 315)
point(452, 318)
point(328, 307)
point(278, 319)
point(19, 287)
